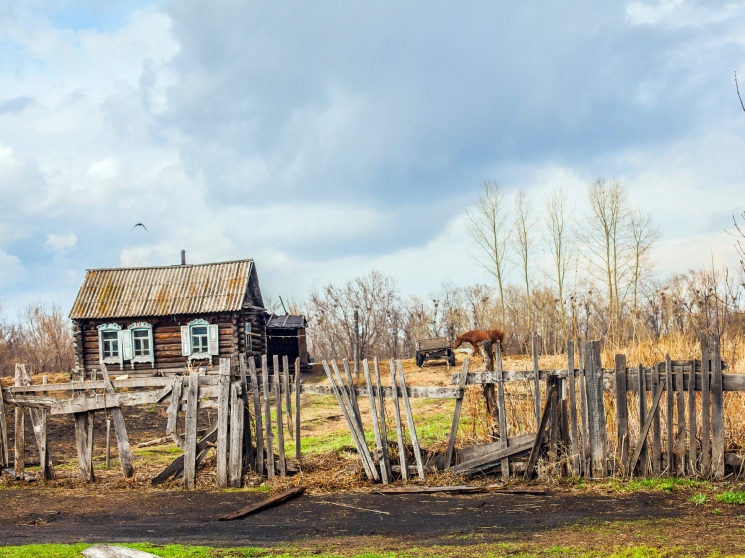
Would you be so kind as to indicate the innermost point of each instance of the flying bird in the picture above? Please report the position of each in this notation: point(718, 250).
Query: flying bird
point(139, 225)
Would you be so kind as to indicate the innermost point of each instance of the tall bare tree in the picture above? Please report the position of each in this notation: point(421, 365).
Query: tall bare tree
point(560, 240)
point(487, 227)
point(644, 233)
point(523, 242)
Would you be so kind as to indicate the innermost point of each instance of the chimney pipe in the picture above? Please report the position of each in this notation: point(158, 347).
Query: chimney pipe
point(183, 257)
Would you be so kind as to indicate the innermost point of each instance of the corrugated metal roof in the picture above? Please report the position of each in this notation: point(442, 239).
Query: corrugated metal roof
point(162, 291)
point(287, 321)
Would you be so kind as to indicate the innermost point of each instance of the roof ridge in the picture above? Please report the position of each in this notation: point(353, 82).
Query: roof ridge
point(169, 266)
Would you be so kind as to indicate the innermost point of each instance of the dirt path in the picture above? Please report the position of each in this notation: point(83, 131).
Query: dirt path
point(63, 516)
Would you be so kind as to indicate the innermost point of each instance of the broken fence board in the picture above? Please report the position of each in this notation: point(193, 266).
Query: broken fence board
point(264, 504)
point(494, 457)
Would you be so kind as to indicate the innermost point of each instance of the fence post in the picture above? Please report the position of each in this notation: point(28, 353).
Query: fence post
point(717, 411)
point(573, 430)
point(622, 411)
point(705, 406)
point(223, 412)
point(536, 380)
point(596, 408)
point(642, 385)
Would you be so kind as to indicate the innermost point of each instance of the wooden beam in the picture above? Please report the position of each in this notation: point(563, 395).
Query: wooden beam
point(223, 413)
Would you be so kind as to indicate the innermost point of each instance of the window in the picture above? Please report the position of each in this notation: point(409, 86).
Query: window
point(138, 344)
point(110, 344)
point(200, 340)
point(141, 342)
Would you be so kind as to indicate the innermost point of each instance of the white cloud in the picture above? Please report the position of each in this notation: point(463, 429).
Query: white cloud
point(61, 243)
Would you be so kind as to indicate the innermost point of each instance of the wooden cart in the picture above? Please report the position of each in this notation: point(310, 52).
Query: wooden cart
point(433, 349)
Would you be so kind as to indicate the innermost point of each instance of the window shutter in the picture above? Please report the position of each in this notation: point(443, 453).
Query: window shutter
point(185, 341)
point(100, 346)
point(213, 339)
point(125, 343)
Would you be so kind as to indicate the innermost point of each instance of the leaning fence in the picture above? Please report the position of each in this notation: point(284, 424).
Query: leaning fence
point(664, 419)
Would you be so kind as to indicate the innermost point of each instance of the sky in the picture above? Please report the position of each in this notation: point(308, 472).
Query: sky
point(327, 139)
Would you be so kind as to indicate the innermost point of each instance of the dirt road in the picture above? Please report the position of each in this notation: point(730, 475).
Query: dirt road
point(36, 516)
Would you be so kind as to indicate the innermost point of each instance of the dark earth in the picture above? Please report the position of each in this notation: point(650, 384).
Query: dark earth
point(175, 516)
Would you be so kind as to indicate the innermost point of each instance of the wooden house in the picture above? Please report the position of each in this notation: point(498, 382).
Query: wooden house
point(286, 337)
point(158, 320)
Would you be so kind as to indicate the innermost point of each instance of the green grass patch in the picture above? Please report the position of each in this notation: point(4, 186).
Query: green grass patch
point(698, 498)
point(731, 497)
point(667, 484)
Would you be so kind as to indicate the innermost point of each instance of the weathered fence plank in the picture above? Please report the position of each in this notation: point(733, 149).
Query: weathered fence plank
point(456, 414)
point(717, 411)
point(249, 456)
point(410, 421)
point(502, 410)
point(259, 468)
point(297, 409)
point(223, 413)
point(680, 448)
point(669, 388)
point(656, 424)
point(596, 408)
point(642, 442)
point(573, 427)
point(386, 460)
point(280, 420)
point(399, 430)
point(235, 463)
point(374, 419)
point(288, 394)
point(190, 432)
point(536, 380)
point(692, 426)
point(622, 410)
point(267, 418)
point(705, 406)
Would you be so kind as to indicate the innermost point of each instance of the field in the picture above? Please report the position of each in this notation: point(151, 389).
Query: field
point(340, 515)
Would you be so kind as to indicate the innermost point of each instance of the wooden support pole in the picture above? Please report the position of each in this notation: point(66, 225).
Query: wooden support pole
point(386, 461)
point(356, 348)
point(717, 411)
point(39, 426)
point(298, 453)
point(374, 418)
point(596, 408)
point(705, 406)
point(347, 413)
point(5, 453)
point(350, 390)
point(235, 464)
point(540, 435)
point(656, 424)
point(173, 409)
point(669, 389)
point(553, 431)
point(288, 394)
point(223, 413)
point(585, 447)
point(573, 427)
point(257, 417)
point(536, 380)
point(108, 443)
point(190, 435)
point(410, 421)
point(267, 417)
point(85, 469)
point(356, 425)
point(249, 456)
point(622, 411)
point(502, 410)
point(399, 430)
point(692, 426)
point(280, 422)
point(19, 462)
point(642, 442)
point(120, 431)
point(680, 448)
point(456, 413)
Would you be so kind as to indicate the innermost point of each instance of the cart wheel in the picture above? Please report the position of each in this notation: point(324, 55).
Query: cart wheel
point(419, 360)
point(451, 358)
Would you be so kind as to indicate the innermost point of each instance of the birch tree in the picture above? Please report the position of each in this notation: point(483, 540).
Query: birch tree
point(487, 227)
point(524, 228)
point(559, 238)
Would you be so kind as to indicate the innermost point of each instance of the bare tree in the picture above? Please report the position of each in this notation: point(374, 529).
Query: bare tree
point(559, 237)
point(644, 233)
point(523, 242)
point(487, 228)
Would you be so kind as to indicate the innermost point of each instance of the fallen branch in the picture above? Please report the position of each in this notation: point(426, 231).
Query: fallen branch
point(268, 503)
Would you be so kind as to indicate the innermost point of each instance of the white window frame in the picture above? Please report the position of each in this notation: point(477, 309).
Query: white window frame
point(140, 326)
point(213, 340)
point(119, 359)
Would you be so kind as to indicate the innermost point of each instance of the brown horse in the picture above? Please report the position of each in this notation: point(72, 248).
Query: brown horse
point(477, 336)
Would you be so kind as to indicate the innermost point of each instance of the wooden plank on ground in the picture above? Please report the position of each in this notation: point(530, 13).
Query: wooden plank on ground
point(223, 413)
point(456, 414)
point(410, 421)
point(573, 426)
point(264, 504)
point(622, 410)
point(717, 411)
point(257, 417)
point(190, 432)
